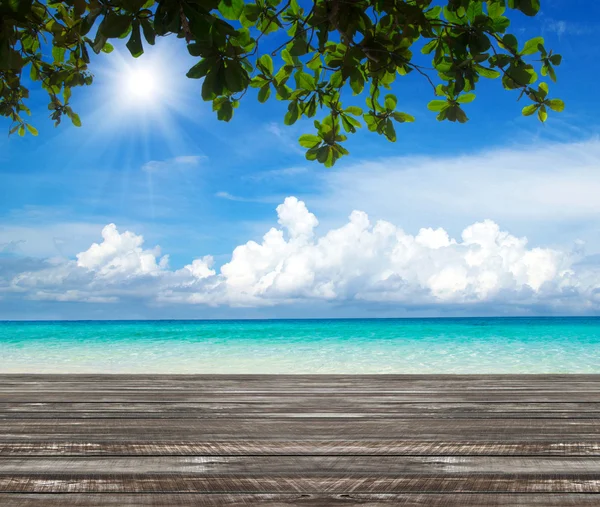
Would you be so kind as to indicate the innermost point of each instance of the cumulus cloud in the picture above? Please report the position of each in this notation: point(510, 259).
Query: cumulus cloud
point(121, 254)
point(362, 261)
point(547, 192)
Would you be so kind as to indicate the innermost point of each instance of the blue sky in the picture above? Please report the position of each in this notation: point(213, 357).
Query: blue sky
point(167, 170)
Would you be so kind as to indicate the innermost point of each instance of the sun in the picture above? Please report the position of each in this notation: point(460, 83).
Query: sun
point(145, 94)
point(141, 83)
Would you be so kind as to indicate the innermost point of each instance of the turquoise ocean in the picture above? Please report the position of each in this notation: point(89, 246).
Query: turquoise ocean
point(469, 345)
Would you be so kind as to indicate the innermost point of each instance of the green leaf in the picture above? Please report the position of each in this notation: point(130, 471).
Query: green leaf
point(314, 64)
point(437, 105)
point(311, 154)
point(501, 24)
point(520, 76)
point(212, 85)
point(283, 92)
point(32, 130)
point(266, 62)
point(115, 25)
point(556, 105)
point(348, 127)
point(532, 46)
point(199, 70)
point(236, 78)
point(510, 41)
point(529, 7)
point(355, 110)
point(461, 116)
point(231, 9)
point(298, 47)
point(390, 102)
point(149, 33)
point(403, 117)
point(264, 93)
point(304, 81)
point(133, 5)
point(309, 141)
point(357, 81)
point(225, 111)
point(323, 153)
point(286, 57)
point(466, 98)
point(135, 40)
point(495, 10)
point(336, 80)
point(75, 119)
point(430, 46)
point(543, 90)
point(487, 72)
point(58, 54)
point(389, 130)
point(529, 110)
point(555, 59)
point(542, 114)
point(292, 115)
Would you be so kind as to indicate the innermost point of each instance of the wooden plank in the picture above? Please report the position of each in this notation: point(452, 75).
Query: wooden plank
point(311, 466)
point(303, 407)
point(370, 404)
point(289, 500)
point(301, 388)
point(300, 414)
point(295, 483)
point(289, 440)
point(343, 447)
point(298, 383)
point(149, 396)
point(308, 428)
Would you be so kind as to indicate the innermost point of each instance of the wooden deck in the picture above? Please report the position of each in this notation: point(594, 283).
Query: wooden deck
point(83, 440)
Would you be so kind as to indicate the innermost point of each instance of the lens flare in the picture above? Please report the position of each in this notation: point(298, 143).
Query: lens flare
point(143, 98)
point(141, 84)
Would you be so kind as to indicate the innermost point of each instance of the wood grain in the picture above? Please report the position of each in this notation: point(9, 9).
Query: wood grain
point(448, 440)
point(366, 447)
point(288, 500)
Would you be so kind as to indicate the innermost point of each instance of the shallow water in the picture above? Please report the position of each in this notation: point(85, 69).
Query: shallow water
point(474, 345)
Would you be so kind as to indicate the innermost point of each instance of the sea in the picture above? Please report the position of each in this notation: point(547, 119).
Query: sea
point(344, 346)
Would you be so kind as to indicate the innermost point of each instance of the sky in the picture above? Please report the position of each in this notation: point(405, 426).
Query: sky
point(154, 209)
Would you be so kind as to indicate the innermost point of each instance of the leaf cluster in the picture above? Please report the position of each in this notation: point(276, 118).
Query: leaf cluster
point(304, 54)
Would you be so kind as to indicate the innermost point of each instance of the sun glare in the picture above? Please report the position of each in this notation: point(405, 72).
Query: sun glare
point(148, 92)
point(141, 84)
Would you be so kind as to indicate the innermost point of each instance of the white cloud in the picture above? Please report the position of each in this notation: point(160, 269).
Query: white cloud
point(548, 192)
point(176, 163)
point(201, 268)
point(361, 261)
point(562, 27)
point(236, 198)
point(274, 174)
point(121, 254)
point(47, 240)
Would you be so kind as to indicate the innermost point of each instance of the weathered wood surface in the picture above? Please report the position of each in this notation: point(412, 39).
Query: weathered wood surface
point(289, 500)
point(123, 440)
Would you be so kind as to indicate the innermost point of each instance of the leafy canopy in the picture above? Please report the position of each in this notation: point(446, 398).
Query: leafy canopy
point(304, 53)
